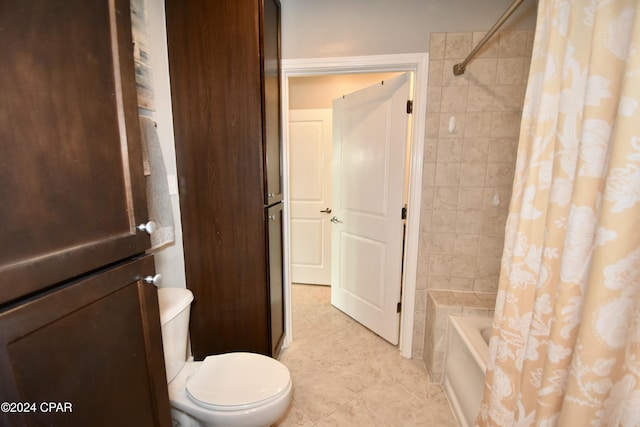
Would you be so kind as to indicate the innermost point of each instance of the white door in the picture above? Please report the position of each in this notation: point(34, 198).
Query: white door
point(310, 195)
point(369, 148)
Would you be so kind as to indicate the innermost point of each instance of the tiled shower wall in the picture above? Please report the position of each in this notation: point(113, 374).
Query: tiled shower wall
point(471, 137)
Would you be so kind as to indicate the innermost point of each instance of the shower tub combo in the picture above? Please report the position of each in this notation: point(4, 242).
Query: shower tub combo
point(466, 363)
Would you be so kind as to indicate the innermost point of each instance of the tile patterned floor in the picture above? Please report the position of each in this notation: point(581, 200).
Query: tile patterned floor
point(345, 375)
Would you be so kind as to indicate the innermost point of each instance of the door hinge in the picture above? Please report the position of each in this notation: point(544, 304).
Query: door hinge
point(409, 107)
point(399, 307)
point(404, 212)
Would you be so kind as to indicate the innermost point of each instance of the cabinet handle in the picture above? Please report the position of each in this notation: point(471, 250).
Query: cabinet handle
point(271, 195)
point(154, 280)
point(272, 217)
point(149, 227)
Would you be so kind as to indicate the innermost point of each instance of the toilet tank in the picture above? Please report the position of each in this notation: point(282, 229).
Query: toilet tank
point(174, 320)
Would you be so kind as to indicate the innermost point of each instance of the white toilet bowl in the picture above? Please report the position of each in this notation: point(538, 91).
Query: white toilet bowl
point(231, 389)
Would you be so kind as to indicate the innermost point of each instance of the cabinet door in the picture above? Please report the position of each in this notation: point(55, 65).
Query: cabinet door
point(276, 301)
point(272, 115)
point(93, 346)
point(72, 183)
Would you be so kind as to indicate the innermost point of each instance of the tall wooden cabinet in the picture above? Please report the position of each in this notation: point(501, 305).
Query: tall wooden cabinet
point(77, 322)
point(224, 65)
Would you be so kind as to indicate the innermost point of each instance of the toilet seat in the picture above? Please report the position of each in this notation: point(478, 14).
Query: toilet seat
point(233, 381)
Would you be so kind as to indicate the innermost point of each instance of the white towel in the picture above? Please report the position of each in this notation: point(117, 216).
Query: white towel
point(158, 199)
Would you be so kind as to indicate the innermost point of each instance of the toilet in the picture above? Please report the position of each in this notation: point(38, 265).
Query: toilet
point(231, 389)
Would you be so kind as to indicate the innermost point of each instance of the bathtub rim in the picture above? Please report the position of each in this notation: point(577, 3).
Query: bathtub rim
point(469, 329)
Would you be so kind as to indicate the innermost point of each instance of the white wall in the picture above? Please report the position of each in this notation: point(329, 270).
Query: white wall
point(170, 259)
point(326, 28)
point(319, 91)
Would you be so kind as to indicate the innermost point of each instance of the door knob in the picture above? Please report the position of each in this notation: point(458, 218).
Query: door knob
point(153, 280)
point(149, 227)
point(328, 210)
point(335, 220)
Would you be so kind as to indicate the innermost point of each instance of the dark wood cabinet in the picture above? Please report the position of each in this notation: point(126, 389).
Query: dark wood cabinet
point(77, 323)
point(91, 346)
point(224, 65)
point(72, 186)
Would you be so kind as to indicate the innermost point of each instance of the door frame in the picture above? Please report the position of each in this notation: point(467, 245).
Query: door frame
point(418, 63)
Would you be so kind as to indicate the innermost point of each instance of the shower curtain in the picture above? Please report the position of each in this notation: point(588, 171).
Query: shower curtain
point(565, 348)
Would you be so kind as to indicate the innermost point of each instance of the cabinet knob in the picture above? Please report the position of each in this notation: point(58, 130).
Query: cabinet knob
point(271, 195)
point(149, 227)
point(154, 280)
point(272, 217)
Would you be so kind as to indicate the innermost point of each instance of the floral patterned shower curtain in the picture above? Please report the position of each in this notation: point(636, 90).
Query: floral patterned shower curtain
point(565, 348)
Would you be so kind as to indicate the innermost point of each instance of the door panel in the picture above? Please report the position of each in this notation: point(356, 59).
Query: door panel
point(272, 113)
point(96, 344)
point(276, 283)
point(71, 169)
point(369, 151)
point(310, 172)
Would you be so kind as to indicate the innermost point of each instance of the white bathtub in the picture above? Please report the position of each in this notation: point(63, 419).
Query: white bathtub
point(465, 365)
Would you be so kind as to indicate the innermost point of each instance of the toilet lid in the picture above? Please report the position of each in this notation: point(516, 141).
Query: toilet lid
point(237, 379)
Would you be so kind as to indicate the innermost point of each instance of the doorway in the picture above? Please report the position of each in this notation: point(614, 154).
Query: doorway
point(418, 65)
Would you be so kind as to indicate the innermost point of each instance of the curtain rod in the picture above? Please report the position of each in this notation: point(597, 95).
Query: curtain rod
point(461, 67)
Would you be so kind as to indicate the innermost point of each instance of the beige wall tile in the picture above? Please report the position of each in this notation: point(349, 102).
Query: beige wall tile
point(444, 221)
point(488, 268)
point(464, 267)
point(475, 150)
point(490, 49)
point(508, 98)
point(436, 74)
point(505, 124)
point(440, 264)
point(485, 285)
point(491, 246)
point(428, 174)
point(502, 150)
point(439, 282)
point(449, 150)
point(442, 243)
point(462, 283)
point(470, 198)
point(458, 131)
point(466, 244)
point(434, 97)
point(478, 125)
point(469, 221)
point(432, 125)
point(493, 222)
point(482, 71)
point(430, 147)
point(458, 45)
point(450, 79)
point(461, 242)
point(473, 174)
point(480, 98)
point(427, 198)
point(510, 71)
point(454, 99)
point(447, 174)
point(436, 45)
point(500, 174)
point(513, 44)
point(504, 197)
point(445, 198)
